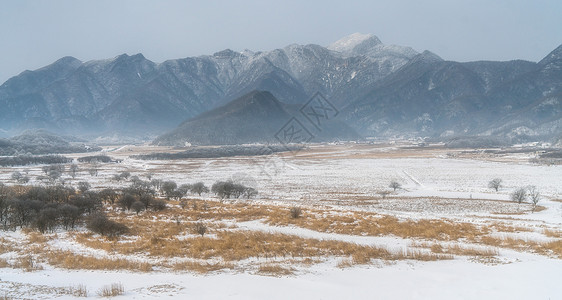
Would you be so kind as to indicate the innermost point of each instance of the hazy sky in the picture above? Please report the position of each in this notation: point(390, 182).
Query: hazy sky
point(36, 33)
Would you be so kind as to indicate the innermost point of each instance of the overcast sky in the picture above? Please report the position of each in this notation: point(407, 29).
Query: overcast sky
point(36, 33)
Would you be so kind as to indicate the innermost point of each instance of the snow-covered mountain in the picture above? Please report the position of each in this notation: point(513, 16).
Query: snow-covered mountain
point(380, 89)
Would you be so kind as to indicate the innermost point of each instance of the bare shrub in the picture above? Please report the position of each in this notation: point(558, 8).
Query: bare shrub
point(100, 224)
point(200, 228)
point(137, 206)
point(158, 205)
point(83, 186)
point(79, 291)
point(295, 212)
point(126, 201)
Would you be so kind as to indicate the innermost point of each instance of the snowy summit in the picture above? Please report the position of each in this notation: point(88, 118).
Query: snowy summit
point(349, 43)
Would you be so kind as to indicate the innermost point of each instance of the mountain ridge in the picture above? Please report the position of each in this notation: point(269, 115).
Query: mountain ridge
point(375, 85)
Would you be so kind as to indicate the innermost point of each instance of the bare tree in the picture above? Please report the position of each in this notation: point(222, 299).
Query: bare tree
point(395, 185)
point(250, 192)
point(73, 170)
point(495, 184)
point(519, 195)
point(199, 188)
point(16, 176)
point(54, 175)
point(184, 189)
point(127, 201)
point(93, 171)
point(168, 188)
point(534, 195)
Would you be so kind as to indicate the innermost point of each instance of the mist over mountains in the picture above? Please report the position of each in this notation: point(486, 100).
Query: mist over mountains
point(380, 91)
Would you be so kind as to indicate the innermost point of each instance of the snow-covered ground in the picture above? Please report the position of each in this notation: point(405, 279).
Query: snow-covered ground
point(434, 186)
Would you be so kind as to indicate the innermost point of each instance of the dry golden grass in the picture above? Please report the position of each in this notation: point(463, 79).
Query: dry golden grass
point(374, 225)
point(470, 251)
point(78, 290)
point(553, 233)
point(464, 250)
point(549, 248)
point(4, 263)
point(344, 263)
point(28, 263)
point(69, 260)
point(6, 246)
point(502, 227)
point(356, 223)
point(113, 290)
point(240, 245)
point(202, 268)
point(555, 247)
point(34, 237)
point(275, 270)
point(169, 234)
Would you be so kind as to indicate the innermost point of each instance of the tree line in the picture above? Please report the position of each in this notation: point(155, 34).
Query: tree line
point(222, 151)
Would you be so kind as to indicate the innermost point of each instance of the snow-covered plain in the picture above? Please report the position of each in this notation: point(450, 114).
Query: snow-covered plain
point(435, 185)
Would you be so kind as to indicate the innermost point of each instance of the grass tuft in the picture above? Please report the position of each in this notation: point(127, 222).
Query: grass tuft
point(115, 289)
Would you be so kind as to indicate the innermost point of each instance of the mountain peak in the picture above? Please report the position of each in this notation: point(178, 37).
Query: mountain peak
point(226, 53)
point(355, 43)
point(263, 99)
point(68, 60)
point(125, 56)
point(555, 55)
point(427, 56)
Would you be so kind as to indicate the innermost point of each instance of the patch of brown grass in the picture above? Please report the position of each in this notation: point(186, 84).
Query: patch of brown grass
point(275, 270)
point(28, 263)
point(553, 233)
point(501, 227)
point(4, 263)
point(69, 260)
point(6, 246)
point(113, 290)
point(161, 224)
point(555, 247)
point(548, 248)
point(374, 225)
point(345, 263)
point(463, 250)
point(78, 291)
point(240, 245)
point(34, 237)
point(202, 268)
point(470, 251)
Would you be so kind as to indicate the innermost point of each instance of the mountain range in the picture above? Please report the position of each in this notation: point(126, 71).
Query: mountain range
point(379, 90)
